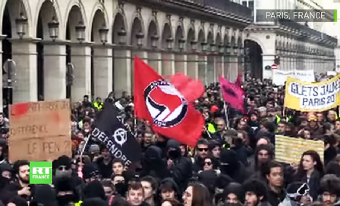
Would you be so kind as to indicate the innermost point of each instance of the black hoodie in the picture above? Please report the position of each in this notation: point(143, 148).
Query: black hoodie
point(236, 189)
point(232, 167)
point(94, 189)
point(181, 169)
point(3, 180)
point(154, 164)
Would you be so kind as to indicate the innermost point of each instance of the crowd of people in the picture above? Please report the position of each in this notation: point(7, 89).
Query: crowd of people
point(232, 164)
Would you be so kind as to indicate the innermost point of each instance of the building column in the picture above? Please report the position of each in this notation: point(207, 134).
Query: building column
point(219, 69)
point(226, 67)
point(168, 67)
point(203, 69)
point(102, 66)
point(294, 61)
point(155, 61)
point(268, 59)
point(142, 55)
point(233, 68)
point(122, 71)
point(54, 71)
point(24, 53)
point(193, 63)
point(81, 59)
point(283, 63)
point(210, 69)
point(317, 64)
point(305, 63)
point(181, 63)
point(337, 58)
point(312, 62)
point(2, 37)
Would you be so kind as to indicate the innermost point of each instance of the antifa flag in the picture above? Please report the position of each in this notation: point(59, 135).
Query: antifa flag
point(111, 132)
point(191, 89)
point(158, 101)
point(232, 94)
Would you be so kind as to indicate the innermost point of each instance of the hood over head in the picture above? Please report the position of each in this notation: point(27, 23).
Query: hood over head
point(94, 189)
point(234, 188)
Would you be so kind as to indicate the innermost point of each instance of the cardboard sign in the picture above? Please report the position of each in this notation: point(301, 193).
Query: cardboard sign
point(290, 149)
point(39, 130)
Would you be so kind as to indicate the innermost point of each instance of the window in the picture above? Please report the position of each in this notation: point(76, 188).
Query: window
point(244, 3)
point(251, 4)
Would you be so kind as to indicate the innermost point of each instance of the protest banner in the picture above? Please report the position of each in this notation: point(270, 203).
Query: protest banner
point(39, 130)
point(280, 77)
point(332, 73)
point(290, 149)
point(317, 96)
point(111, 132)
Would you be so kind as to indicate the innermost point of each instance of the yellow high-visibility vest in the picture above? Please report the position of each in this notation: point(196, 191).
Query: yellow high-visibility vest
point(97, 105)
point(211, 128)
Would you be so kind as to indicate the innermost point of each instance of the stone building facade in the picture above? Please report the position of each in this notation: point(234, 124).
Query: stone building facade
point(99, 38)
point(297, 45)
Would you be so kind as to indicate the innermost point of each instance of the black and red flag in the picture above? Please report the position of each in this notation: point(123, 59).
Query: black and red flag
point(159, 102)
point(233, 94)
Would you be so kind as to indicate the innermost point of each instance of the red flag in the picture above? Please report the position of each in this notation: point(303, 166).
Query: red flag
point(160, 103)
point(232, 94)
point(238, 82)
point(191, 89)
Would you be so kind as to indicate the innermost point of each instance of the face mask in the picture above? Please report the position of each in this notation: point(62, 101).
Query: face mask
point(121, 188)
point(63, 173)
point(173, 154)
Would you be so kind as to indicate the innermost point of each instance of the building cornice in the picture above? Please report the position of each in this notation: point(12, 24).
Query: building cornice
point(56, 42)
point(25, 40)
point(287, 31)
point(194, 11)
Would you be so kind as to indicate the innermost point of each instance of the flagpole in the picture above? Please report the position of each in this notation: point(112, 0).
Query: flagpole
point(206, 130)
point(135, 126)
point(83, 149)
point(226, 114)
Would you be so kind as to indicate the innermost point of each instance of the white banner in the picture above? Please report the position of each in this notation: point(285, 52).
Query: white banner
point(331, 73)
point(280, 77)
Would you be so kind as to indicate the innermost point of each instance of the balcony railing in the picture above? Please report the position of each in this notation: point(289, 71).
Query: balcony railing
point(228, 6)
point(219, 6)
point(306, 30)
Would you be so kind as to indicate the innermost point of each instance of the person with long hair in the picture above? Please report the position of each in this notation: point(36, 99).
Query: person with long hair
point(310, 170)
point(171, 202)
point(197, 194)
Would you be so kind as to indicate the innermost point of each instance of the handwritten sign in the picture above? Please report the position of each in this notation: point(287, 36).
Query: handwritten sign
point(39, 130)
point(290, 149)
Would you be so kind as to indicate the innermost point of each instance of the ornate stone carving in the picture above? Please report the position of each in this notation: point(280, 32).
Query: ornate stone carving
point(121, 5)
point(139, 10)
point(202, 23)
point(192, 22)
